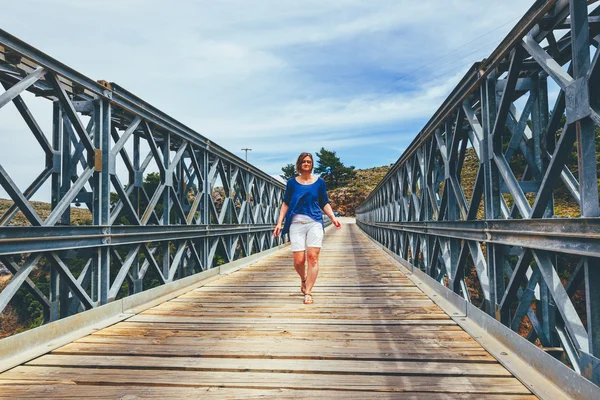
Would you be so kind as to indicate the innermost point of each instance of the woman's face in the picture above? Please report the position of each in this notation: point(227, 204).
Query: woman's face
point(306, 164)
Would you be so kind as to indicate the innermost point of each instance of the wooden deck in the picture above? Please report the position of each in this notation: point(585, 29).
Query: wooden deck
point(370, 333)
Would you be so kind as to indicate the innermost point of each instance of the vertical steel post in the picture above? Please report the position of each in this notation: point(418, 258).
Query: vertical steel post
point(65, 184)
point(68, 170)
point(168, 181)
point(205, 205)
point(103, 127)
point(425, 207)
point(578, 104)
point(453, 213)
point(138, 183)
point(97, 205)
point(493, 194)
point(57, 133)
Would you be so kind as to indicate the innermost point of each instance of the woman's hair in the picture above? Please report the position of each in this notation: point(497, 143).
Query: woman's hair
point(299, 161)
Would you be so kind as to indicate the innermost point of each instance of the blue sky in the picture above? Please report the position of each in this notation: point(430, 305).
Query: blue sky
point(277, 76)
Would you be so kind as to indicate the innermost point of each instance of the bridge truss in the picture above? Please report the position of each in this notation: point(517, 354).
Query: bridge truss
point(527, 119)
point(163, 202)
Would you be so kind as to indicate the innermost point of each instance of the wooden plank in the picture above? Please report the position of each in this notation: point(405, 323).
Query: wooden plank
point(83, 391)
point(340, 334)
point(288, 306)
point(382, 383)
point(242, 300)
point(300, 317)
point(280, 351)
point(262, 342)
point(283, 321)
point(193, 328)
point(368, 367)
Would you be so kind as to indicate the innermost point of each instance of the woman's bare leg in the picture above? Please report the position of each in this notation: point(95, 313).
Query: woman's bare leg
point(299, 264)
point(313, 267)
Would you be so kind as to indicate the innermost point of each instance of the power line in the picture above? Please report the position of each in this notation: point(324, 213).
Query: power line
point(436, 59)
point(417, 79)
point(430, 76)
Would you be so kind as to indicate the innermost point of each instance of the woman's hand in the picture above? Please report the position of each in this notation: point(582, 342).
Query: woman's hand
point(336, 223)
point(277, 230)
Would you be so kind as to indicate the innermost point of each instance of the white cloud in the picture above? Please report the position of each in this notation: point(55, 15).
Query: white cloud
point(278, 76)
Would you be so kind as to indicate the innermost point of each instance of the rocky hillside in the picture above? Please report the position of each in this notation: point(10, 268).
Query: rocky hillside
point(345, 199)
point(79, 216)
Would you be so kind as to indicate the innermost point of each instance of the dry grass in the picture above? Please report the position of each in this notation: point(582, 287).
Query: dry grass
point(79, 216)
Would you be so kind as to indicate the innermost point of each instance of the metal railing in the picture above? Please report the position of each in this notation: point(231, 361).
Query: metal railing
point(520, 238)
point(163, 202)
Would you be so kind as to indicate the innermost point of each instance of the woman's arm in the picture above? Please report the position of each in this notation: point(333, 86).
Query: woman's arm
point(329, 213)
point(278, 227)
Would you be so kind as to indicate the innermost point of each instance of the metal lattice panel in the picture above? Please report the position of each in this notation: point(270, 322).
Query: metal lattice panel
point(500, 240)
point(205, 206)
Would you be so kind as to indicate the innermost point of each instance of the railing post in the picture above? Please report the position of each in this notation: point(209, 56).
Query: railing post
point(101, 270)
point(492, 192)
point(138, 183)
point(57, 129)
point(167, 179)
point(205, 204)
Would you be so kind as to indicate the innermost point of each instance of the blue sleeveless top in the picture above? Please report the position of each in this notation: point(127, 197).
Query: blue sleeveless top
point(308, 200)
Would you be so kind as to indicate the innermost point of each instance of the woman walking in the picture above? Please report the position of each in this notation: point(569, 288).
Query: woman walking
point(305, 196)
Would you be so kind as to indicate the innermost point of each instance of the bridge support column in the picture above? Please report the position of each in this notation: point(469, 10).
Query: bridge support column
point(57, 129)
point(205, 213)
point(492, 141)
point(100, 281)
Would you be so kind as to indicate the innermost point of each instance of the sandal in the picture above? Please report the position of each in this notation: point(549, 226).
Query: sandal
point(308, 299)
point(303, 287)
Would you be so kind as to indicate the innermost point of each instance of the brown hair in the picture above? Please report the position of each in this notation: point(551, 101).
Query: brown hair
point(301, 158)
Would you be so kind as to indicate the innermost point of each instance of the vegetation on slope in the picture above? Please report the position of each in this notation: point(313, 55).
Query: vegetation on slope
point(346, 198)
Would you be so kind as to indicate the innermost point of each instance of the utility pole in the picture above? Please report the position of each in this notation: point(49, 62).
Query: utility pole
point(246, 150)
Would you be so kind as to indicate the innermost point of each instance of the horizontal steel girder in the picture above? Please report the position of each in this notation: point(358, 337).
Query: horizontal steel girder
point(32, 240)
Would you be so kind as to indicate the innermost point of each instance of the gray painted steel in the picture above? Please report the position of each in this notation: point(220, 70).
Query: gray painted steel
point(25, 346)
point(501, 243)
point(207, 207)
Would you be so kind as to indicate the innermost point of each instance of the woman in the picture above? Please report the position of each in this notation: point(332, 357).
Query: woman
point(305, 196)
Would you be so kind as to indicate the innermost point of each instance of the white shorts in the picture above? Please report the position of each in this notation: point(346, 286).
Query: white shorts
point(305, 233)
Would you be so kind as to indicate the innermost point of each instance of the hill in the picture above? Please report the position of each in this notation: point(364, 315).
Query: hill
point(345, 199)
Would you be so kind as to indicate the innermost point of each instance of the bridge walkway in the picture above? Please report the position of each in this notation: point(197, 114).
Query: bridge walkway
point(371, 333)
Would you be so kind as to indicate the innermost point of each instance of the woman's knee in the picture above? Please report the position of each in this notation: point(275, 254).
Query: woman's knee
point(313, 259)
point(299, 260)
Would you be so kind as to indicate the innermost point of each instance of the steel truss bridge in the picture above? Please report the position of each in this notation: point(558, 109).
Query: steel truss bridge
point(498, 249)
point(503, 233)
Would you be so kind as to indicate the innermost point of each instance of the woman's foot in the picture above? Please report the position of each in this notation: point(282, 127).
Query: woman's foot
point(303, 287)
point(308, 299)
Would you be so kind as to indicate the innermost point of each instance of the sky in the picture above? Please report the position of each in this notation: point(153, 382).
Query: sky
point(278, 76)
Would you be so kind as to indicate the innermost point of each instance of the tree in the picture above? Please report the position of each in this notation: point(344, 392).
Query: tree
point(332, 170)
point(289, 172)
point(151, 182)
